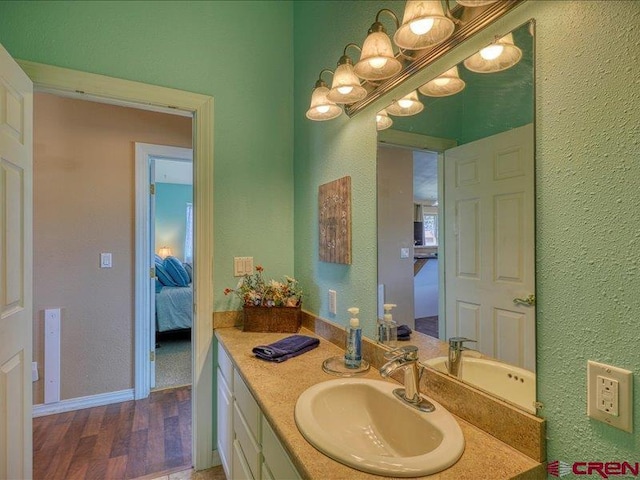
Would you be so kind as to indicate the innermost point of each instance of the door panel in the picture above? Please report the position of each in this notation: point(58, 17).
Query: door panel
point(489, 230)
point(16, 177)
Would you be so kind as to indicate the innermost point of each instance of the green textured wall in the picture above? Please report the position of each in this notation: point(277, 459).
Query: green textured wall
point(171, 218)
point(205, 47)
point(588, 220)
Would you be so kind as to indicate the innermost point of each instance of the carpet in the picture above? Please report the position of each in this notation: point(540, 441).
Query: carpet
point(173, 363)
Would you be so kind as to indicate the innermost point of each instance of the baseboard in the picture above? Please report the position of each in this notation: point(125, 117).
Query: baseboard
point(82, 402)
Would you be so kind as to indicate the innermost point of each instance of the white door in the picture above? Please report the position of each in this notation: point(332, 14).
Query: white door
point(16, 258)
point(488, 192)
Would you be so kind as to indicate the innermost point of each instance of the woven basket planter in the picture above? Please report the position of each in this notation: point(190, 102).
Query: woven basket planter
point(272, 319)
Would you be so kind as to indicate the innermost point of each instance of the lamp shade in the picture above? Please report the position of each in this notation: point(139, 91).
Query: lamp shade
point(423, 25)
point(377, 61)
point(383, 120)
point(498, 56)
point(321, 107)
point(346, 86)
point(165, 252)
point(448, 83)
point(406, 106)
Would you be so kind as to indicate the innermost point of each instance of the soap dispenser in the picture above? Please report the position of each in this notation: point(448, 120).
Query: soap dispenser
point(388, 329)
point(353, 354)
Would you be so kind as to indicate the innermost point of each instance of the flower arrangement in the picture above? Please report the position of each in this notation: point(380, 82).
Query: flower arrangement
point(254, 291)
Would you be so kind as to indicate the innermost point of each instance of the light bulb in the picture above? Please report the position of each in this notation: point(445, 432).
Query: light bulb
point(491, 52)
point(405, 102)
point(345, 90)
point(379, 118)
point(322, 108)
point(377, 62)
point(421, 26)
point(441, 81)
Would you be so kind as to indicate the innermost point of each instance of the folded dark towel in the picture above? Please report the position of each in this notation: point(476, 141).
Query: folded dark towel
point(404, 333)
point(286, 348)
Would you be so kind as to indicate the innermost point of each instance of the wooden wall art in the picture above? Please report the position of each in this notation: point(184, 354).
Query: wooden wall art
point(334, 221)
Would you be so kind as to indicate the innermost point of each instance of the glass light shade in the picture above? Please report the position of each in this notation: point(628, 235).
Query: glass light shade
point(406, 106)
point(346, 86)
point(383, 120)
point(496, 57)
point(475, 3)
point(449, 83)
point(321, 107)
point(377, 61)
point(165, 252)
point(423, 25)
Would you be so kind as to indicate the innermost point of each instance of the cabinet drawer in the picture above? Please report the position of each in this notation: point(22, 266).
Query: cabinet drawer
point(225, 365)
point(240, 468)
point(247, 404)
point(247, 441)
point(275, 456)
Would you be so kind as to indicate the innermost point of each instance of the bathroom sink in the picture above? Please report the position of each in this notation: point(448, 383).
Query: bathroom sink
point(516, 385)
point(359, 422)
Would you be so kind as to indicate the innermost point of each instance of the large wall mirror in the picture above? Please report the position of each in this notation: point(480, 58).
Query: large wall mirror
point(456, 216)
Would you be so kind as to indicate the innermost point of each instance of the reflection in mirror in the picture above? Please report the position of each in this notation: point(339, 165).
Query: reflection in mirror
point(456, 217)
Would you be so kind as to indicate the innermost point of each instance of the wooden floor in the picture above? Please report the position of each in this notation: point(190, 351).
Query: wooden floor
point(428, 326)
point(120, 441)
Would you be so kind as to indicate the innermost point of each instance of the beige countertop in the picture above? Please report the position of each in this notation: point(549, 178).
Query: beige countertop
point(277, 386)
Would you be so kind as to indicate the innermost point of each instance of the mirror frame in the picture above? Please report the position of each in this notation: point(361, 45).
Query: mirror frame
point(480, 18)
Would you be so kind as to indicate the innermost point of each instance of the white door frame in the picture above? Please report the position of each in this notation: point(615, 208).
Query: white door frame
point(144, 333)
point(62, 81)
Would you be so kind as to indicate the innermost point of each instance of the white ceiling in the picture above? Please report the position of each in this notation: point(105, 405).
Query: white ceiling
point(425, 176)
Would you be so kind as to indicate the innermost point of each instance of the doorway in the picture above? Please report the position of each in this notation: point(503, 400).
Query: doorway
point(111, 90)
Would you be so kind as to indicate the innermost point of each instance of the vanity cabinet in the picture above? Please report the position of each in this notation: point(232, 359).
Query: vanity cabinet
point(249, 448)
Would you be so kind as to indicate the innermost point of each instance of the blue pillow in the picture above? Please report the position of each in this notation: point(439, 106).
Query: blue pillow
point(174, 268)
point(163, 276)
point(158, 258)
point(189, 268)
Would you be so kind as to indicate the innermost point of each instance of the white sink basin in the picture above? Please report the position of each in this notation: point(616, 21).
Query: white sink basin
point(359, 422)
point(516, 385)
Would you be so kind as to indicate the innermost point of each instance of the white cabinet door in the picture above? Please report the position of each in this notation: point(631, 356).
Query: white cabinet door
point(16, 258)
point(225, 424)
point(489, 232)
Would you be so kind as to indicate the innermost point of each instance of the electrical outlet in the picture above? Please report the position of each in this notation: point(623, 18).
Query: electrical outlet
point(333, 302)
point(609, 395)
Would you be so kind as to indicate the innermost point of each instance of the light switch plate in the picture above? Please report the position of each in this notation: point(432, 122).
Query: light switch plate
point(333, 302)
point(404, 253)
point(106, 260)
point(609, 395)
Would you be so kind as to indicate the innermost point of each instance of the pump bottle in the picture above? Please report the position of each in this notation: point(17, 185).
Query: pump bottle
point(353, 354)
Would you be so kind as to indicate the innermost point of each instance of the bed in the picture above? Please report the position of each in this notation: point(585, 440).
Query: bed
point(174, 308)
point(174, 295)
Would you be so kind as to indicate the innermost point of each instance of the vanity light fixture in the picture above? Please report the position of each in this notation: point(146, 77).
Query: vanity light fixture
point(406, 106)
point(448, 83)
point(500, 55)
point(321, 107)
point(383, 120)
point(424, 25)
point(346, 86)
point(377, 60)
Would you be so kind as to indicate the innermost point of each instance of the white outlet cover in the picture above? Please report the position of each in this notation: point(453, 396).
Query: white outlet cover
point(624, 419)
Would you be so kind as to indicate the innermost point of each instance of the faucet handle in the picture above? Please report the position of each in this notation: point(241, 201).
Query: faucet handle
point(458, 342)
point(408, 351)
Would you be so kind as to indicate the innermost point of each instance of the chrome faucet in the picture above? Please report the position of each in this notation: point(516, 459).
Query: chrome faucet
point(456, 346)
point(406, 358)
